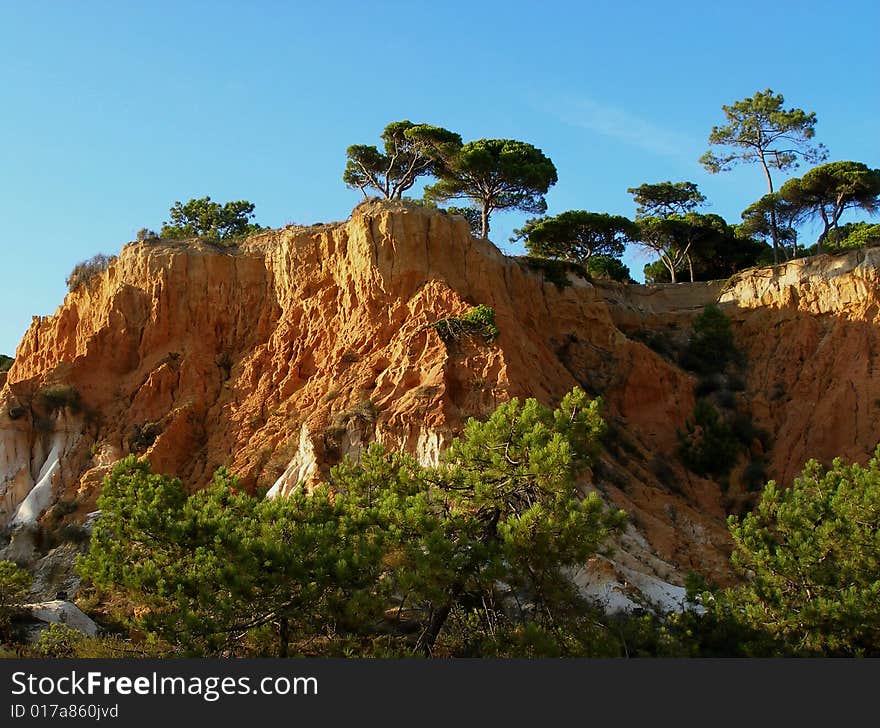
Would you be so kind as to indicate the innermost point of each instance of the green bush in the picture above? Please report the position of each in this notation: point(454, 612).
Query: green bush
point(605, 266)
point(387, 552)
point(145, 234)
point(84, 271)
point(15, 582)
point(659, 341)
point(710, 347)
point(555, 271)
point(810, 556)
point(58, 641)
point(847, 237)
point(5, 363)
point(143, 436)
point(709, 447)
point(56, 397)
point(859, 235)
point(479, 321)
point(210, 220)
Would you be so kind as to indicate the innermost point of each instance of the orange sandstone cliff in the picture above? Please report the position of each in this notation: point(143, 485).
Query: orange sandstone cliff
point(282, 356)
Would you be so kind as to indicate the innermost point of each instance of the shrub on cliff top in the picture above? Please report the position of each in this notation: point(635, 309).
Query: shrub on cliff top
point(203, 218)
point(58, 396)
point(84, 271)
point(5, 363)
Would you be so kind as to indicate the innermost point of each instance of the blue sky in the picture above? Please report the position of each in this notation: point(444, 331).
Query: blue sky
point(112, 111)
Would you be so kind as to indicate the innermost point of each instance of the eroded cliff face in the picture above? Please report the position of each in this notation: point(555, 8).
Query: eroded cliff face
point(810, 331)
point(303, 345)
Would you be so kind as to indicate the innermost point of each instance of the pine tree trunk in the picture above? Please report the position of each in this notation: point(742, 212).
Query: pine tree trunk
point(774, 227)
point(432, 631)
point(283, 636)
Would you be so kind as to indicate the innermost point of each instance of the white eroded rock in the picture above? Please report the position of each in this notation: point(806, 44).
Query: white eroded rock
point(59, 611)
point(301, 466)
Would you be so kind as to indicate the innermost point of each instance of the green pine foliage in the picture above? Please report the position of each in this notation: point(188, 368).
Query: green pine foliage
point(810, 555)
point(207, 568)
point(484, 540)
point(210, 220)
point(709, 447)
point(15, 582)
point(859, 235)
point(479, 321)
point(494, 174)
point(711, 346)
point(578, 235)
point(608, 268)
point(387, 557)
point(59, 641)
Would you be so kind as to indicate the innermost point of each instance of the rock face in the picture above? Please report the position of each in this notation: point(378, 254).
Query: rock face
point(810, 330)
point(281, 357)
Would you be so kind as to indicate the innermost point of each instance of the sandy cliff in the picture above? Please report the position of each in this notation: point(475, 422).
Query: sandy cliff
point(296, 349)
point(810, 330)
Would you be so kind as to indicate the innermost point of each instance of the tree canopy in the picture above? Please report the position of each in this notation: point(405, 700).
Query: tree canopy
point(827, 191)
point(472, 553)
point(410, 151)
point(705, 244)
point(810, 555)
point(851, 235)
point(759, 129)
point(664, 237)
point(664, 199)
point(577, 235)
point(15, 582)
point(207, 219)
point(495, 174)
point(211, 567)
point(758, 222)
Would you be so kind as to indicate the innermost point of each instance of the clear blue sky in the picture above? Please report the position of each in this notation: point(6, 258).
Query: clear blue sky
point(111, 111)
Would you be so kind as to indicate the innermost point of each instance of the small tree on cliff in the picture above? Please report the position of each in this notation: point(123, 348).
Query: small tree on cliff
point(758, 222)
point(204, 218)
point(577, 235)
point(668, 238)
point(495, 174)
point(664, 199)
point(410, 151)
